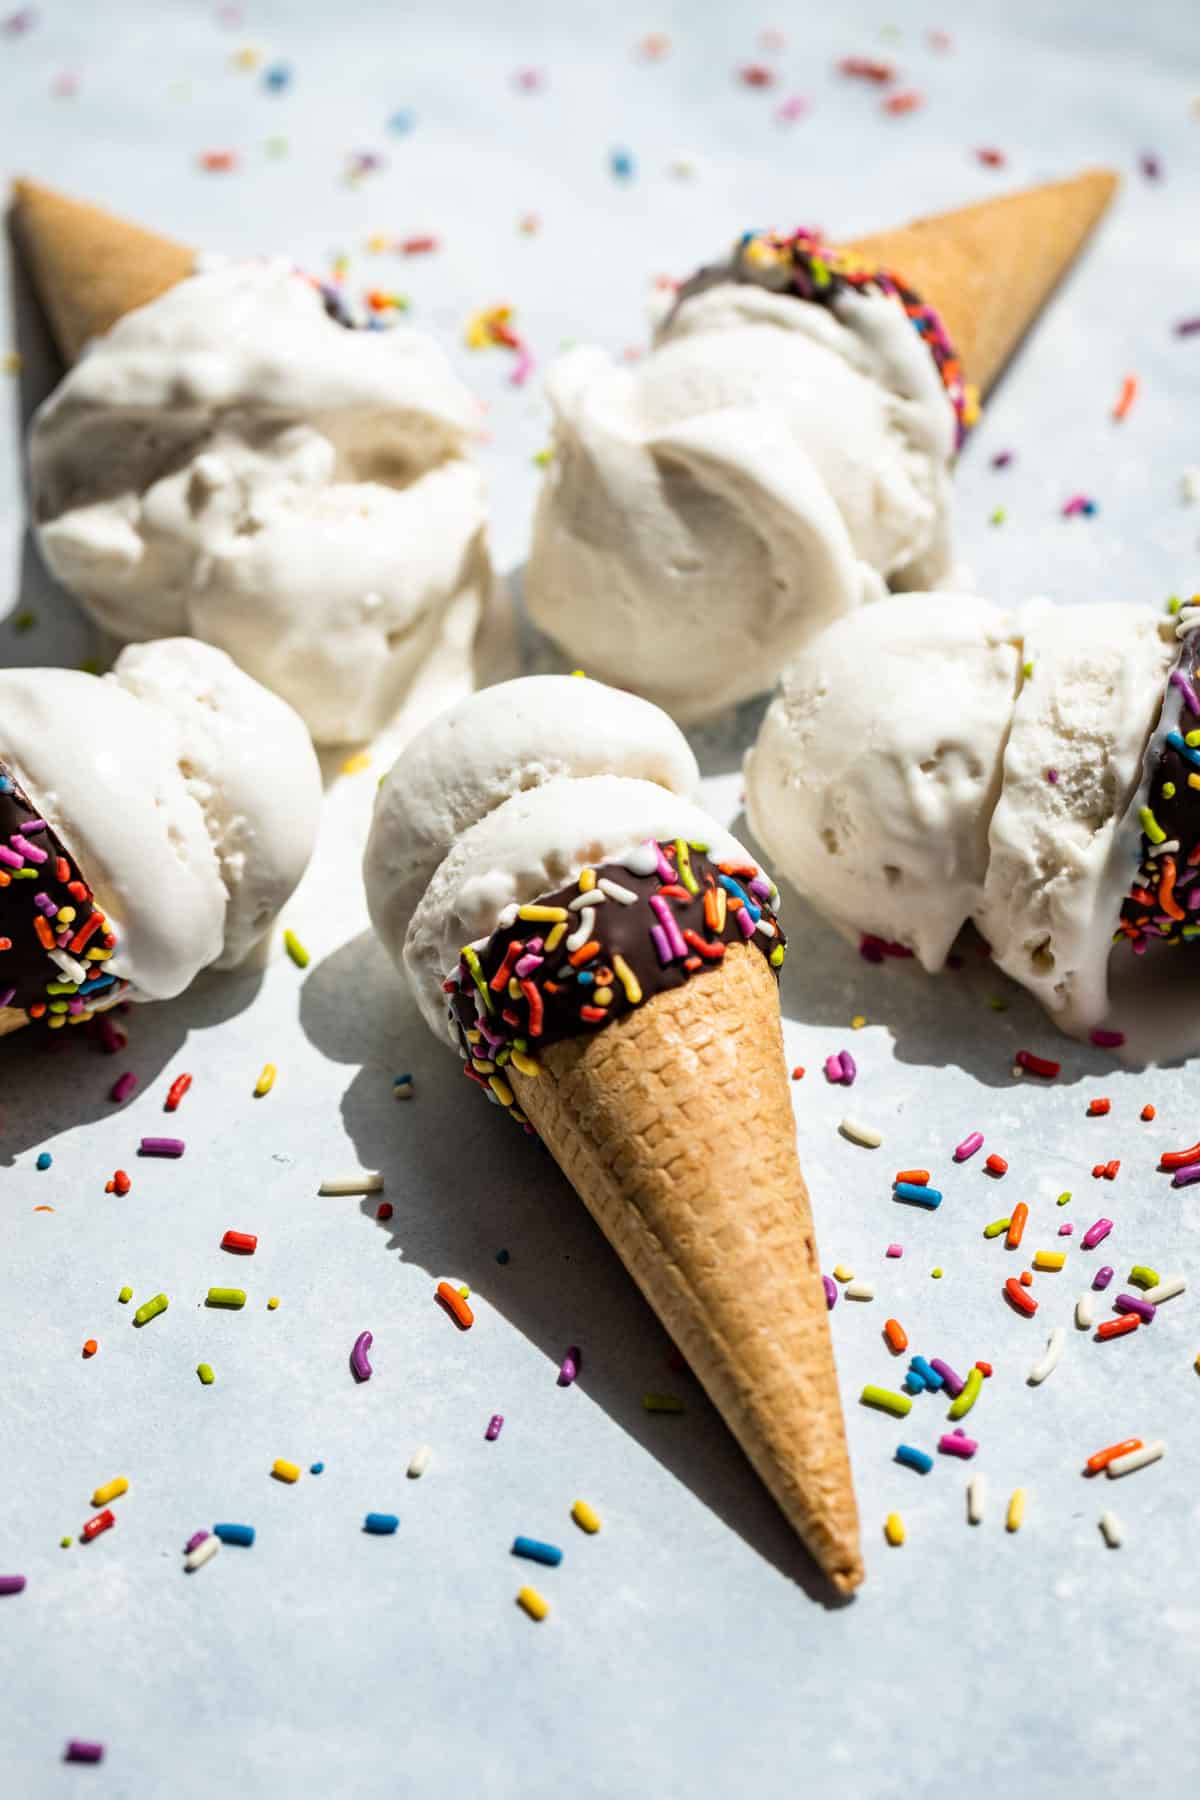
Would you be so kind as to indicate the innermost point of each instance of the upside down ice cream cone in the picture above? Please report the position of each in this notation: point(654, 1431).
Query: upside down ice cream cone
point(89, 266)
point(618, 994)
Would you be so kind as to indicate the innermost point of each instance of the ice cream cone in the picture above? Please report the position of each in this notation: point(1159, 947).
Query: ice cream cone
point(12, 1019)
point(89, 267)
point(675, 1127)
point(990, 268)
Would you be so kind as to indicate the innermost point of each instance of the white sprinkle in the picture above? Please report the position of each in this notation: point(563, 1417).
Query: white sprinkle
point(1137, 1459)
point(1049, 1359)
point(1189, 484)
point(1167, 1289)
point(622, 895)
point(1110, 1525)
point(508, 916)
point(860, 1290)
point(366, 1182)
point(196, 1559)
point(642, 861)
point(765, 926)
point(419, 1462)
point(589, 898)
point(1085, 1311)
point(976, 1494)
point(582, 931)
point(858, 1133)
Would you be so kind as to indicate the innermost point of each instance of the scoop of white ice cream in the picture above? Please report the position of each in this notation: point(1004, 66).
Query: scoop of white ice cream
point(156, 802)
point(230, 462)
point(771, 464)
point(532, 844)
point(503, 741)
point(1057, 869)
point(879, 762)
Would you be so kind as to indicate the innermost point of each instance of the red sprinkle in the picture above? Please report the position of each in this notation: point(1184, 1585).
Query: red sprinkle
point(244, 1242)
point(756, 75)
point(418, 246)
point(996, 1165)
point(91, 1347)
point(1148, 1113)
point(991, 159)
point(1098, 1108)
point(103, 1521)
point(1023, 1301)
point(985, 1369)
point(903, 103)
point(798, 1072)
point(1118, 1327)
point(176, 1091)
point(1037, 1065)
point(218, 162)
point(1179, 1159)
point(867, 68)
point(384, 1210)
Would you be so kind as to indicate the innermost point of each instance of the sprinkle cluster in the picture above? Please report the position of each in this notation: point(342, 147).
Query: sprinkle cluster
point(54, 939)
point(1163, 901)
point(578, 958)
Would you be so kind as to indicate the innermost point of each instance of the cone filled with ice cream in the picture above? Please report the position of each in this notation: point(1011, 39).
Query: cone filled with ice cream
point(235, 455)
point(785, 450)
point(605, 956)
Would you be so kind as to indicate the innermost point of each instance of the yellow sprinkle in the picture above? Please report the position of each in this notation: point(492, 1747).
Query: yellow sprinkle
point(842, 1273)
point(285, 1471)
point(602, 996)
point(937, 1274)
point(483, 1065)
point(295, 949)
point(526, 1065)
point(1016, 1510)
point(266, 1080)
point(246, 59)
point(544, 915)
point(893, 1529)
point(377, 243)
point(627, 978)
point(1049, 1259)
point(464, 1290)
point(857, 1022)
point(557, 934)
point(354, 765)
point(587, 880)
point(204, 1371)
point(514, 988)
point(584, 1517)
point(532, 1601)
point(1194, 781)
point(273, 1302)
point(10, 362)
point(777, 955)
point(501, 1089)
point(64, 1543)
point(112, 1490)
point(580, 674)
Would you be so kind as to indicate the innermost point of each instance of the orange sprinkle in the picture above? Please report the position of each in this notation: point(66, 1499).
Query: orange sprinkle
point(996, 1165)
point(918, 1177)
point(1127, 396)
point(1097, 1108)
point(1118, 1327)
point(43, 1209)
point(1166, 890)
point(1016, 1224)
point(584, 953)
point(798, 1072)
point(896, 1336)
point(1102, 1458)
point(455, 1305)
point(985, 1369)
point(44, 934)
point(1148, 1113)
point(902, 103)
point(1026, 1278)
point(91, 1347)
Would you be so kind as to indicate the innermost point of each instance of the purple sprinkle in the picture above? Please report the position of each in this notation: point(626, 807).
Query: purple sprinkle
point(849, 1069)
point(666, 920)
point(7, 996)
point(79, 1750)
point(1107, 1040)
point(31, 852)
point(494, 1428)
point(666, 873)
point(760, 887)
point(1187, 327)
point(745, 922)
point(830, 1292)
point(156, 1146)
point(970, 1144)
point(10, 859)
point(1052, 777)
point(833, 1067)
point(45, 904)
point(1178, 679)
point(31, 825)
point(957, 1443)
point(954, 1382)
point(571, 1364)
point(123, 1086)
point(1101, 1278)
point(1002, 459)
point(895, 1250)
point(11, 1584)
point(360, 1365)
point(658, 938)
point(1186, 1176)
point(196, 1538)
point(1150, 166)
point(1096, 1234)
point(527, 965)
point(1133, 1303)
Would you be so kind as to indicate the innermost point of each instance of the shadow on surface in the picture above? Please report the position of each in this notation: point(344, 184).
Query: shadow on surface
point(562, 1285)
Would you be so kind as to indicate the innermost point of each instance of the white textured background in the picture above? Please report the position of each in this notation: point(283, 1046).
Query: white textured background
point(686, 1652)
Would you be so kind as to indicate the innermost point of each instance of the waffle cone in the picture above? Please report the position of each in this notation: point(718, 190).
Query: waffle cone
point(675, 1127)
point(990, 268)
point(89, 267)
point(12, 1019)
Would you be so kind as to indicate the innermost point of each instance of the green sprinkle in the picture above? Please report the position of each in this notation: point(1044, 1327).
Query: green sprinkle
point(996, 1227)
point(543, 458)
point(1143, 1277)
point(662, 1403)
point(476, 967)
point(997, 517)
point(998, 1003)
point(1027, 671)
point(776, 957)
point(961, 1405)
point(684, 864)
point(1173, 604)
point(205, 1373)
point(1151, 826)
point(24, 621)
point(225, 1297)
point(1168, 790)
point(1063, 1199)
point(151, 1309)
point(886, 1400)
point(64, 1543)
point(295, 949)
point(125, 1296)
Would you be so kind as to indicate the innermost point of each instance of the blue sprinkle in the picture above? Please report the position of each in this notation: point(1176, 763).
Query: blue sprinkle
point(913, 1383)
point(622, 164)
point(928, 1375)
point(1177, 743)
point(235, 1534)
point(550, 1554)
point(584, 979)
point(316, 1468)
point(44, 1160)
point(502, 1256)
point(5, 785)
point(919, 1196)
point(277, 77)
point(381, 1524)
point(914, 1459)
point(401, 121)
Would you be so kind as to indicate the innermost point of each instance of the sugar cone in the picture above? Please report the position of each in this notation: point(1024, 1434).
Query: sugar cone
point(12, 1019)
point(989, 269)
point(675, 1127)
point(89, 267)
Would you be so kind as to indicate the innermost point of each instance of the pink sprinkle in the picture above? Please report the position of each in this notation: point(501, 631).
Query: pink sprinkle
point(745, 922)
point(571, 1364)
point(791, 109)
point(522, 368)
point(1065, 1230)
point(1096, 1234)
point(833, 1067)
point(1187, 327)
point(123, 1086)
point(957, 1443)
point(494, 1428)
point(1107, 1040)
point(1052, 777)
point(666, 919)
point(1150, 166)
point(895, 1250)
point(970, 1144)
point(113, 1040)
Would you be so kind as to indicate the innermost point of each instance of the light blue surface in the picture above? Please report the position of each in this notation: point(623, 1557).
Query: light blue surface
point(685, 1652)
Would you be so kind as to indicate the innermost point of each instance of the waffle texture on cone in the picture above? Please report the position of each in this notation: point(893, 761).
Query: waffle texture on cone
point(674, 1125)
point(990, 268)
point(90, 268)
